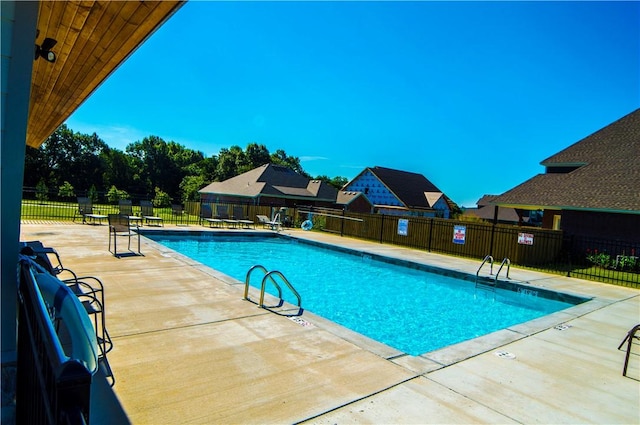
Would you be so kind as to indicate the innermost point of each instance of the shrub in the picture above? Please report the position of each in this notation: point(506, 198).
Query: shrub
point(93, 193)
point(114, 194)
point(66, 190)
point(601, 259)
point(627, 262)
point(162, 199)
point(42, 191)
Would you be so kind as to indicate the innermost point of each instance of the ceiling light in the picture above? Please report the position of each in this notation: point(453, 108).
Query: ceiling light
point(44, 51)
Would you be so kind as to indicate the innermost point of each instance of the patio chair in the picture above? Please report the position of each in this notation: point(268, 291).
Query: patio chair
point(266, 223)
point(223, 214)
point(126, 208)
point(238, 214)
point(85, 210)
point(206, 214)
point(146, 208)
point(88, 289)
point(177, 212)
point(120, 225)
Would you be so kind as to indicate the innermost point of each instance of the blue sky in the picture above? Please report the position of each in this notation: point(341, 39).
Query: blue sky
point(473, 95)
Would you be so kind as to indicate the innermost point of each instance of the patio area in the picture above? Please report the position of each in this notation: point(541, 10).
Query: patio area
point(189, 349)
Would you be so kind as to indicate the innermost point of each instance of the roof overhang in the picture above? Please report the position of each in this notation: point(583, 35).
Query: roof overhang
point(92, 39)
point(563, 164)
point(564, 208)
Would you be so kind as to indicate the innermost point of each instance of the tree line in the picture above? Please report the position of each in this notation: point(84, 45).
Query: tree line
point(70, 163)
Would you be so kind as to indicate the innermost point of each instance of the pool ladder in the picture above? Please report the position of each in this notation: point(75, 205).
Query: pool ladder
point(270, 276)
point(487, 284)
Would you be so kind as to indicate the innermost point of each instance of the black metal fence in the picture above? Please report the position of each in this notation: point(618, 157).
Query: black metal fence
point(51, 389)
point(51, 206)
point(541, 249)
point(547, 250)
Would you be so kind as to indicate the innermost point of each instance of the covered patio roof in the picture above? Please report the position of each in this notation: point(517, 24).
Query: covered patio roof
point(92, 39)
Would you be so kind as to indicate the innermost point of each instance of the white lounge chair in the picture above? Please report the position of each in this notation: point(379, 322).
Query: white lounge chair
point(266, 223)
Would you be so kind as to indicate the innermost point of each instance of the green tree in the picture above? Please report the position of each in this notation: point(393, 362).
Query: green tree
point(280, 157)
point(35, 166)
point(66, 190)
point(162, 199)
point(337, 182)
point(227, 163)
point(93, 193)
point(256, 155)
point(42, 191)
point(72, 157)
point(161, 164)
point(114, 194)
point(118, 169)
point(190, 186)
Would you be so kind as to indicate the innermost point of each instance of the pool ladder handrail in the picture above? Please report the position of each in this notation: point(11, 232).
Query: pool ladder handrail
point(490, 260)
point(269, 276)
point(488, 285)
point(508, 263)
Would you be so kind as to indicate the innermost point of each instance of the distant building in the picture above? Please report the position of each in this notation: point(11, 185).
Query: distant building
point(591, 188)
point(396, 192)
point(354, 202)
point(272, 185)
point(486, 211)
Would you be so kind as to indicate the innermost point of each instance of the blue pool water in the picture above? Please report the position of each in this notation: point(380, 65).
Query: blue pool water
point(412, 310)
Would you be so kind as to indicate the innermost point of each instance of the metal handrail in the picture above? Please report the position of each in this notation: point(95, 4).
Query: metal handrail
point(248, 278)
point(508, 262)
point(487, 258)
point(285, 280)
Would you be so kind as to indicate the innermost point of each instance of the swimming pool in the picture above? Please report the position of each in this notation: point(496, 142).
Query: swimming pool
point(406, 308)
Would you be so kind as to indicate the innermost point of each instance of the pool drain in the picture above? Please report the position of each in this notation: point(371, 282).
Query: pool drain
point(505, 355)
point(562, 327)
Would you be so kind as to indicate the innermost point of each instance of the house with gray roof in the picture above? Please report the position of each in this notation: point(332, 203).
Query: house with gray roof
point(487, 212)
point(271, 185)
point(591, 188)
point(396, 192)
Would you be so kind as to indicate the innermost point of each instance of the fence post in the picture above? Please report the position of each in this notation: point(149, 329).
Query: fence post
point(569, 251)
point(431, 220)
point(493, 228)
point(342, 224)
point(381, 228)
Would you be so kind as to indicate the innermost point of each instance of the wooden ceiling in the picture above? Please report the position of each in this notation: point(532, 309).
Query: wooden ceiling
point(93, 39)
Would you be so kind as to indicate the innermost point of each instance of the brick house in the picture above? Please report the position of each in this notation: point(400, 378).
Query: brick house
point(591, 188)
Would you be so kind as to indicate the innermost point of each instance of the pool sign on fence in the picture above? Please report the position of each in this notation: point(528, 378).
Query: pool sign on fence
point(525, 238)
point(459, 234)
point(403, 226)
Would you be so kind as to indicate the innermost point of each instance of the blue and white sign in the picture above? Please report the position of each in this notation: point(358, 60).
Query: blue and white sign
point(459, 234)
point(403, 226)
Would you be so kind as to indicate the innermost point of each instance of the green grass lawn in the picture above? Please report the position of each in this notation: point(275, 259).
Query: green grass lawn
point(61, 211)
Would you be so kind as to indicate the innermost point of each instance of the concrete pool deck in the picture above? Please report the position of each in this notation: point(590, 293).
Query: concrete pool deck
point(189, 349)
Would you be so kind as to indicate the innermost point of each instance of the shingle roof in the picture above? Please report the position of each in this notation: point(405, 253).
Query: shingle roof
point(487, 213)
point(346, 197)
point(273, 180)
point(409, 188)
point(609, 180)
